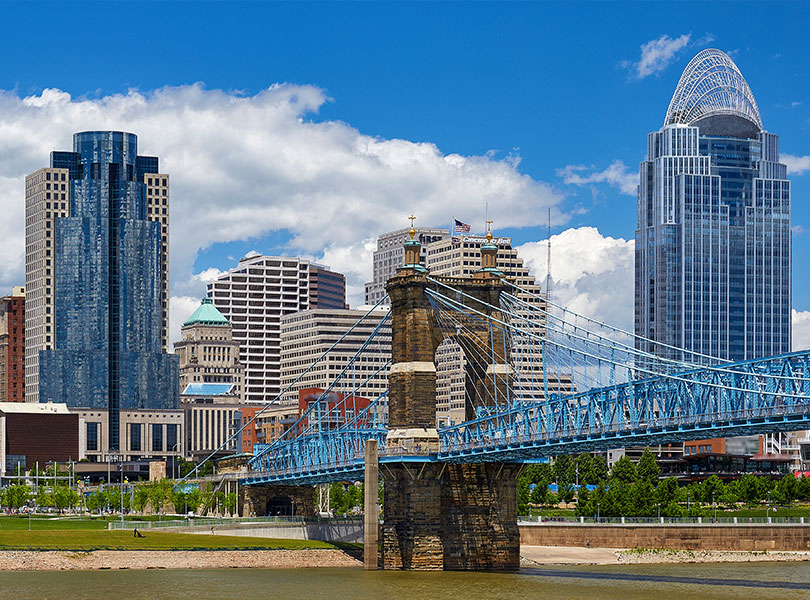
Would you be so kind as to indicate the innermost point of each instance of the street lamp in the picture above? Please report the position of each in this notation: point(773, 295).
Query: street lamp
point(659, 511)
point(768, 509)
point(598, 513)
point(715, 508)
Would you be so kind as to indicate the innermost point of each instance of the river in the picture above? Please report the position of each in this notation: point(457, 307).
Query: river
point(615, 582)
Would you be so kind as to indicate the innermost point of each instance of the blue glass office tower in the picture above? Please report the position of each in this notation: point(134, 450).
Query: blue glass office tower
point(713, 244)
point(108, 293)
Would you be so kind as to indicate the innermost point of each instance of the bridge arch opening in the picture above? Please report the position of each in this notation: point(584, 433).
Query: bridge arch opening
point(280, 506)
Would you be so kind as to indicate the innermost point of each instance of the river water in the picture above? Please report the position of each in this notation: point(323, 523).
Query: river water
point(614, 582)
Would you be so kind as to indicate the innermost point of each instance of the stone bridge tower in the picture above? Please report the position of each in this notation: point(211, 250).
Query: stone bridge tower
point(443, 515)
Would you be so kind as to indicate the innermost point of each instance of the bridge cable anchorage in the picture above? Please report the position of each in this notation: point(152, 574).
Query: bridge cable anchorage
point(275, 400)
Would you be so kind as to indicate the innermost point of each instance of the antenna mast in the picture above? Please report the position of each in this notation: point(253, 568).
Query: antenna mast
point(548, 259)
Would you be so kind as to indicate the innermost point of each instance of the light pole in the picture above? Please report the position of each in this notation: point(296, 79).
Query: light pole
point(687, 501)
point(768, 509)
point(659, 511)
point(598, 513)
point(121, 484)
point(715, 508)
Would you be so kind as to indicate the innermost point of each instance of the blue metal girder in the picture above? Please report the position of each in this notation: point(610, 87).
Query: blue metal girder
point(751, 397)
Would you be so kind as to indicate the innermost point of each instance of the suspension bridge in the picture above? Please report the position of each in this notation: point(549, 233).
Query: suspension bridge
point(539, 381)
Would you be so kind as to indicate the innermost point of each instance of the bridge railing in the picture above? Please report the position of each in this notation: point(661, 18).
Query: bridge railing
point(532, 520)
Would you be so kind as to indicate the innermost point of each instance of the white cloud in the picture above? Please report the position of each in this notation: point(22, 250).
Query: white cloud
point(796, 165)
point(180, 309)
point(592, 274)
point(617, 175)
point(245, 166)
point(801, 329)
point(657, 55)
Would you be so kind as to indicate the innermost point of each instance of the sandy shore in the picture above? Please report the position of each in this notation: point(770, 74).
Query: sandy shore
point(177, 559)
point(565, 555)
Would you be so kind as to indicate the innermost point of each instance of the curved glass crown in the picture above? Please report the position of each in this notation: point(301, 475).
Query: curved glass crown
point(711, 85)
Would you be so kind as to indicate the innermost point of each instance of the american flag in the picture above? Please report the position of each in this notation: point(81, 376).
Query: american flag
point(461, 227)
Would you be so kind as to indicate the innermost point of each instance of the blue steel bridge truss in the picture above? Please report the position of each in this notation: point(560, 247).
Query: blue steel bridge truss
point(575, 385)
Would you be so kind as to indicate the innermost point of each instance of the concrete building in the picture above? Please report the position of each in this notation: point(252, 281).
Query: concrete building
point(327, 289)
point(207, 351)
point(461, 257)
point(12, 346)
point(145, 434)
point(390, 255)
point(254, 297)
point(96, 281)
point(212, 416)
point(306, 335)
point(37, 433)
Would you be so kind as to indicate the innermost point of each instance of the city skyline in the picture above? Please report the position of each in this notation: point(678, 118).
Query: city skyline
point(347, 143)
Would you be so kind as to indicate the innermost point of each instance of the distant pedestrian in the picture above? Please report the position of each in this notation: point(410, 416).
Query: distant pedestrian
point(587, 543)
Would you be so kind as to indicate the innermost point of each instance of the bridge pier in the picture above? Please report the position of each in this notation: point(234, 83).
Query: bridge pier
point(451, 516)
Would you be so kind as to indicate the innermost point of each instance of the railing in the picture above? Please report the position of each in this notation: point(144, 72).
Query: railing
point(218, 521)
point(526, 520)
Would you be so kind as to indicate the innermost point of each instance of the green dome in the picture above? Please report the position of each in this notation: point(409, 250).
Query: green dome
point(207, 314)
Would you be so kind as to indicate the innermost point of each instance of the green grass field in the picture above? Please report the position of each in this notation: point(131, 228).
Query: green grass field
point(87, 540)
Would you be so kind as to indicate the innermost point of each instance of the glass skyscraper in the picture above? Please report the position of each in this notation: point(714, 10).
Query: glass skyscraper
point(96, 238)
point(713, 244)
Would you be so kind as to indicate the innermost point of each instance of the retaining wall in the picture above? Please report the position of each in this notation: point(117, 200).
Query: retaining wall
point(675, 537)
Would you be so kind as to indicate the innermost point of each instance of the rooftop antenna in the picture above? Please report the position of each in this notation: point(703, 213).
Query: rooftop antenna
point(548, 260)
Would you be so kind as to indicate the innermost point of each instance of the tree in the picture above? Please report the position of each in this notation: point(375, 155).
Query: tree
point(44, 497)
point(141, 498)
point(229, 503)
point(712, 489)
point(666, 491)
point(647, 469)
point(17, 495)
point(749, 489)
point(159, 493)
point(624, 470)
point(62, 497)
point(523, 496)
point(786, 490)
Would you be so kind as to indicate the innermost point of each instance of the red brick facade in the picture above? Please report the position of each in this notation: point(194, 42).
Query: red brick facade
point(12, 311)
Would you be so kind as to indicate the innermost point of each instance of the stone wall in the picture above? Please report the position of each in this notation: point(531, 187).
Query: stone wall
point(675, 537)
point(452, 517)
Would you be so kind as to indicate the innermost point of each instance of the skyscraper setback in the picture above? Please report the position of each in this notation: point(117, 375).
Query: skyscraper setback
point(713, 244)
point(97, 279)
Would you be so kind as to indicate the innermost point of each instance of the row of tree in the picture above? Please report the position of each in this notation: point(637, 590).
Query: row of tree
point(158, 496)
point(636, 490)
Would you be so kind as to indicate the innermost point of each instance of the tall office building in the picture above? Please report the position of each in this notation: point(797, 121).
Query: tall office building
point(96, 280)
point(253, 297)
point(306, 335)
point(390, 255)
point(12, 346)
point(327, 288)
point(713, 244)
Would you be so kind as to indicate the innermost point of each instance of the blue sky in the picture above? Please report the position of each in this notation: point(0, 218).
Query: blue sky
point(551, 85)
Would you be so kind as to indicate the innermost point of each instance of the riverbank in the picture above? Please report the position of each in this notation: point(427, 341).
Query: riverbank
point(21, 560)
point(569, 555)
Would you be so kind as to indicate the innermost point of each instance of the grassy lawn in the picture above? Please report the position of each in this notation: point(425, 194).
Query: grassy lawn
point(50, 524)
point(86, 540)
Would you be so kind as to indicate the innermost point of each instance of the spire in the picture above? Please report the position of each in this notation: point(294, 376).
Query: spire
point(413, 251)
point(489, 257)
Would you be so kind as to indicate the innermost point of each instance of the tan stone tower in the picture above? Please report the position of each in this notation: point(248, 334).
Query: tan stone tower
point(439, 515)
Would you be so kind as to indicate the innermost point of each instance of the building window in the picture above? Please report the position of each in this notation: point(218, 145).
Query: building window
point(157, 437)
point(171, 438)
point(135, 437)
point(92, 437)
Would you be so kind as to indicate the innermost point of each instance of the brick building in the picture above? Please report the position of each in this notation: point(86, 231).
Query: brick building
point(12, 346)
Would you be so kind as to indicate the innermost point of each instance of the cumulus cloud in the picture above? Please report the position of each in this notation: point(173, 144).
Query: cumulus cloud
point(801, 329)
point(591, 274)
point(658, 54)
point(617, 175)
point(243, 166)
point(796, 165)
